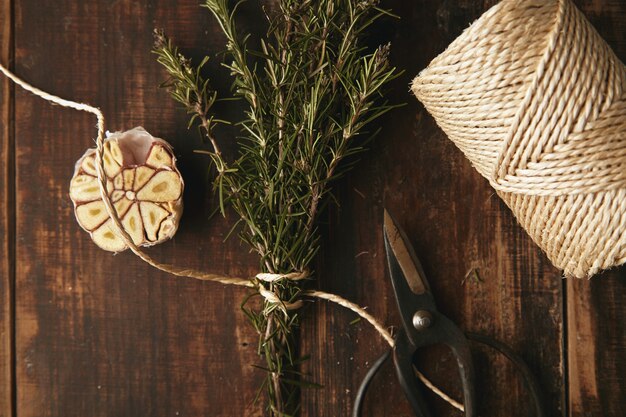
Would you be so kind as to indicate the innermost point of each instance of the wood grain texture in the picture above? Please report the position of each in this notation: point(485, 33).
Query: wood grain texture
point(103, 335)
point(7, 207)
point(456, 224)
point(596, 309)
point(597, 345)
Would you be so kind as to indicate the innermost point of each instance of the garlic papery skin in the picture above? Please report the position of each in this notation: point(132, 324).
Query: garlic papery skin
point(143, 184)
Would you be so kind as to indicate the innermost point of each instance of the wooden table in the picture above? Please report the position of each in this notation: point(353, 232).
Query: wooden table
point(85, 333)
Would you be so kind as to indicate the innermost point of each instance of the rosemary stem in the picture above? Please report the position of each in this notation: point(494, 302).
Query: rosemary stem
point(309, 92)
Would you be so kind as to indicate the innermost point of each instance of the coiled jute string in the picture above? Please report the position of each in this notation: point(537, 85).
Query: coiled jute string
point(536, 100)
point(256, 282)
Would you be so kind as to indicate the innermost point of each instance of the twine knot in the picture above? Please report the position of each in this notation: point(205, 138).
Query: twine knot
point(270, 294)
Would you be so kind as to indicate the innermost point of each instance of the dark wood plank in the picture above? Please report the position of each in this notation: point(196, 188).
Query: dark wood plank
point(7, 237)
point(457, 224)
point(596, 342)
point(597, 345)
point(103, 335)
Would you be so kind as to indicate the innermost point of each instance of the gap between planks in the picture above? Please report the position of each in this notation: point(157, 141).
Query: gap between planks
point(8, 392)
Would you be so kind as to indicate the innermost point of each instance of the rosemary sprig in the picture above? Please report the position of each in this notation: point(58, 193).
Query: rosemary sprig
point(311, 88)
point(186, 85)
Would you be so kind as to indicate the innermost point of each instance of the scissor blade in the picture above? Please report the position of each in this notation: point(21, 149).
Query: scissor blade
point(405, 256)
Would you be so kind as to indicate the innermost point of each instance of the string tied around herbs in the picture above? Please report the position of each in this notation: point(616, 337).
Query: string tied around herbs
point(271, 296)
point(256, 283)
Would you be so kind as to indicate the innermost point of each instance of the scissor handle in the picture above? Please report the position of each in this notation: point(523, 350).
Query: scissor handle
point(531, 381)
point(446, 333)
point(357, 409)
point(456, 340)
point(403, 353)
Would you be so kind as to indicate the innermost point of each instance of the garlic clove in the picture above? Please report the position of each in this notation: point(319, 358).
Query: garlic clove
point(107, 239)
point(110, 186)
point(118, 182)
point(153, 215)
point(89, 165)
point(159, 157)
point(122, 206)
point(110, 156)
point(91, 215)
point(84, 188)
point(134, 225)
point(142, 176)
point(162, 187)
point(116, 195)
point(116, 152)
point(129, 178)
point(168, 226)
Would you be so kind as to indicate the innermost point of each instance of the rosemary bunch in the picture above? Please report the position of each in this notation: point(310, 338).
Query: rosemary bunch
point(310, 88)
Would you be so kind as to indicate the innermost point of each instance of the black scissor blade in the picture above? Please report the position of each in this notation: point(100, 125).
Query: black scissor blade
point(409, 283)
point(397, 243)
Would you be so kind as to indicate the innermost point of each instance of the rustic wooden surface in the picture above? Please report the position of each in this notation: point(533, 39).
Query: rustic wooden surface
point(596, 309)
point(102, 335)
point(7, 210)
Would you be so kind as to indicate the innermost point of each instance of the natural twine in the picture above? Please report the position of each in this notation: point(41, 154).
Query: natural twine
point(255, 283)
point(536, 100)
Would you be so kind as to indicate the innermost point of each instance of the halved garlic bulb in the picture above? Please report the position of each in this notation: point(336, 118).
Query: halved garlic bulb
point(143, 184)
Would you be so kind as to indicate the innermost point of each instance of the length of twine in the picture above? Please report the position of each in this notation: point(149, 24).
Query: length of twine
point(193, 273)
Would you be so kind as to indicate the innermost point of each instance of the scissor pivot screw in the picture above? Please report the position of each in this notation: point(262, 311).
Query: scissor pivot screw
point(422, 320)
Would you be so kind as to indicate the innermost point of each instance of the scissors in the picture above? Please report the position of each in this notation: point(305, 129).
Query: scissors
point(423, 325)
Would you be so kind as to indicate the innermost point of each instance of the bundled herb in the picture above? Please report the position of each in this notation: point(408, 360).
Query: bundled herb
point(310, 88)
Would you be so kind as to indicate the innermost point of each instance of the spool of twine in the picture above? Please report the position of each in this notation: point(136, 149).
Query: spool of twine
point(535, 99)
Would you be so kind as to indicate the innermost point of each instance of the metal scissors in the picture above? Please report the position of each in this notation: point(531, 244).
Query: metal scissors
point(423, 325)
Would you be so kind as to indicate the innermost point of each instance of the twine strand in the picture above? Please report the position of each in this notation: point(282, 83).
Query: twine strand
point(200, 275)
point(271, 296)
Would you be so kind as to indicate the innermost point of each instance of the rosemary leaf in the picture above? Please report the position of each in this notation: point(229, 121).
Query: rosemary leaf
point(311, 89)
